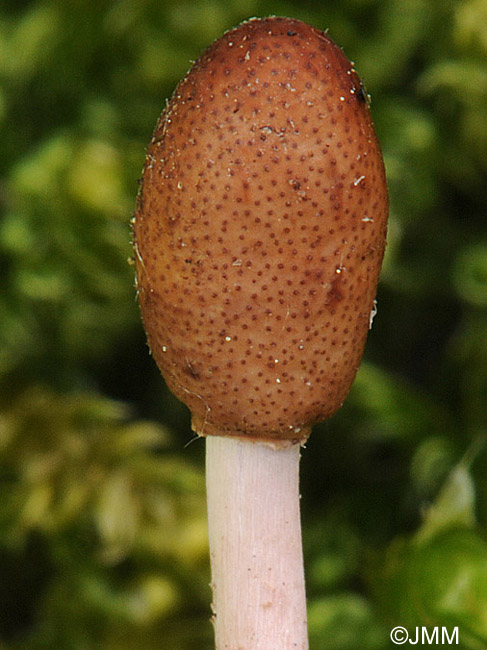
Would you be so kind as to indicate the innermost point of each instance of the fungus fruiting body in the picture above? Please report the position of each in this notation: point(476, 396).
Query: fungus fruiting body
point(259, 234)
point(260, 231)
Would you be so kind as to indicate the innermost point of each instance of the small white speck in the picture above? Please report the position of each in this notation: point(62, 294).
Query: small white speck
point(308, 383)
point(357, 180)
point(266, 129)
point(276, 360)
point(278, 381)
point(368, 219)
point(180, 185)
point(237, 263)
point(247, 55)
point(228, 338)
point(342, 99)
point(300, 347)
point(230, 43)
point(164, 348)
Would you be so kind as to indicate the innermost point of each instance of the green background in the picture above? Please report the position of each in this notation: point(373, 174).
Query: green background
point(102, 513)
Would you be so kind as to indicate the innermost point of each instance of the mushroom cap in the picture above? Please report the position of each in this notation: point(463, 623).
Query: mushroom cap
point(259, 232)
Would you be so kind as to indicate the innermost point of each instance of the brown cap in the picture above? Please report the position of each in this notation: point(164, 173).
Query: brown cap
point(260, 230)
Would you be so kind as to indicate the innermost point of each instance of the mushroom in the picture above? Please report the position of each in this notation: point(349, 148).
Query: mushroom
point(259, 234)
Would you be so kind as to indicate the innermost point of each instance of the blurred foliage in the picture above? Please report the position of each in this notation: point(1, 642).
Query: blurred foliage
point(102, 515)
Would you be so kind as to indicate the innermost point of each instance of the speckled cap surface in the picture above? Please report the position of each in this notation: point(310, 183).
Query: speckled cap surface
point(260, 230)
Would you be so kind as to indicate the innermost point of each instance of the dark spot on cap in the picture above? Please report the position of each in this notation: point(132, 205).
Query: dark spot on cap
point(362, 94)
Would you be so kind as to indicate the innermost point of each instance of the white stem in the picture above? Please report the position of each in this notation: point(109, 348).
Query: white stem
point(259, 600)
